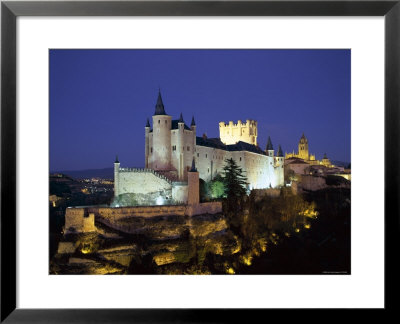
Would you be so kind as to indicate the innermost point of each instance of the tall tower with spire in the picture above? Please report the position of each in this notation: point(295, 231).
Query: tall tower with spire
point(303, 148)
point(160, 146)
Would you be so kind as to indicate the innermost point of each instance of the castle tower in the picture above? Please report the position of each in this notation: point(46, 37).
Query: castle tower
point(193, 186)
point(279, 165)
point(193, 128)
point(147, 144)
point(160, 151)
point(303, 148)
point(232, 133)
point(181, 148)
point(116, 177)
point(269, 149)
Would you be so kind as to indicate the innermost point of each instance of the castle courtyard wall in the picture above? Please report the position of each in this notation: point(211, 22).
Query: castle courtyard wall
point(180, 192)
point(141, 182)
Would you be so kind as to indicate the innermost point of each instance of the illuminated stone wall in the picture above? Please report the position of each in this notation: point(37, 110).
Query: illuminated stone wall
point(141, 181)
point(183, 148)
point(213, 207)
point(160, 145)
point(261, 170)
point(180, 192)
point(78, 220)
point(194, 188)
point(232, 133)
point(209, 161)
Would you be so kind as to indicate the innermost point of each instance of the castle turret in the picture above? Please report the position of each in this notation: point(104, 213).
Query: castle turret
point(193, 128)
point(279, 165)
point(193, 185)
point(181, 148)
point(160, 151)
point(147, 144)
point(116, 176)
point(269, 149)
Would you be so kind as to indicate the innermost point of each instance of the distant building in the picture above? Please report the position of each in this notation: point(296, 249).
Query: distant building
point(303, 154)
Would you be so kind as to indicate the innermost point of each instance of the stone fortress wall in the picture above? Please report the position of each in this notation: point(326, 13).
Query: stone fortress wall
point(76, 220)
point(141, 181)
point(232, 133)
point(79, 220)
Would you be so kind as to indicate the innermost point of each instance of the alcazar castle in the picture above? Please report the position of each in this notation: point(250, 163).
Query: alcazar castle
point(173, 152)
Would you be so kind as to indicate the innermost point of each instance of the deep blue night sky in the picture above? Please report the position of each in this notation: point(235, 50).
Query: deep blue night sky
point(100, 99)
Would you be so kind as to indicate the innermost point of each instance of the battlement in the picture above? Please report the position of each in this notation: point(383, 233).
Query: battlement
point(144, 170)
point(248, 123)
point(231, 133)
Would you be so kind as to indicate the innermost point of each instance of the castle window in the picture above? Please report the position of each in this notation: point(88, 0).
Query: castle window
point(198, 154)
point(159, 121)
point(151, 150)
point(208, 170)
point(240, 159)
point(165, 122)
point(188, 148)
point(206, 156)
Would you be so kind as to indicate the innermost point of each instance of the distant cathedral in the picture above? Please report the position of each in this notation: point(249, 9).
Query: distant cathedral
point(304, 154)
point(172, 150)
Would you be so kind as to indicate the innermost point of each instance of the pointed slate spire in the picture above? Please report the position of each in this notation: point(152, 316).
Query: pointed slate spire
point(280, 154)
point(269, 144)
point(148, 123)
point(159, 105)
point(193, 122)
point(325, 157)
point(116, 159)
point(193, 169)
point(181, 119)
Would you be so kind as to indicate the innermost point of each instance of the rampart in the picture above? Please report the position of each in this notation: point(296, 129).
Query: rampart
point(77, 221)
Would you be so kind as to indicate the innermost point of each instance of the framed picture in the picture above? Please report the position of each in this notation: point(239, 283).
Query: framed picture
point(300, 178)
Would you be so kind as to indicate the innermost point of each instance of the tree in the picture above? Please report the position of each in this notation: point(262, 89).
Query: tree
point(234, 184)
point(217, 187)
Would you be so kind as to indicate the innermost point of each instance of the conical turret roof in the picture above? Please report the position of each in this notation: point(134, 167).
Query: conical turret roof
point(193, 122)
point(148, 123)
point(181, 119)
point(159, 105)
point(280, 154)
point(116, 159)
point(269, 144)
point(193, 169)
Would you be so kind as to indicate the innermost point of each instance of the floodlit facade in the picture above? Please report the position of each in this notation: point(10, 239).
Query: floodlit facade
point(172, 149)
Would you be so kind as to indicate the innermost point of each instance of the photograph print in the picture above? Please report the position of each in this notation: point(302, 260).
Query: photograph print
point(200, 161)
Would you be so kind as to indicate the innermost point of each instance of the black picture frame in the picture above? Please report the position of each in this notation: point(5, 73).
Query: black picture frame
point(10, 10)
